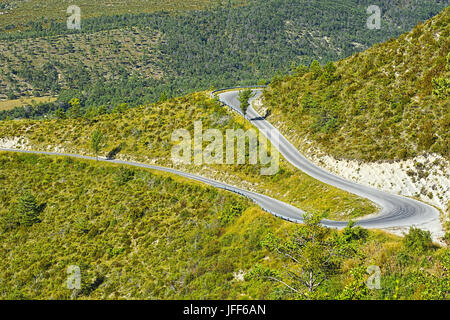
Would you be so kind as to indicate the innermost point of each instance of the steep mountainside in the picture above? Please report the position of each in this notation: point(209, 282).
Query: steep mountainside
point(132, 232)
point(135, 58)
point(17, 14)
point(388, 102)
point(144, 134)
point(138, 234)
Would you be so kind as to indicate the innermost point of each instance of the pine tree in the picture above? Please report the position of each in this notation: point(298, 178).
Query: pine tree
point(27, 209)
point(312, 250)
point(244, 97)
point(96, 141)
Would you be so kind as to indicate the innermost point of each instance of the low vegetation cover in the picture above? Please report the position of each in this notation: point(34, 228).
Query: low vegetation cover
point(139, 234)
point(28, 103)
point(18, 13)
point(144, 134)
point(137, 58)
point(388, 102)
point(135, 233)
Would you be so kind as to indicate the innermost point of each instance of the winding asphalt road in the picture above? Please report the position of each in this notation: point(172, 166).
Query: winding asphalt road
point(276, 207)
point(396, 211)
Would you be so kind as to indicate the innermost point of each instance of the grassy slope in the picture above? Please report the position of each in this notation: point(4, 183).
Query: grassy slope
point(98, 52)
point(145, 135)
point(10, 104)
point(382, 103)
point(158, 236)
point(188, 52)
point(22, 12)
point(178, 248)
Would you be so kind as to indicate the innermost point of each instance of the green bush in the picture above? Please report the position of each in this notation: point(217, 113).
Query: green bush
point(418, 240)
point(354, 233)
point(230, 212)
point(315, 69)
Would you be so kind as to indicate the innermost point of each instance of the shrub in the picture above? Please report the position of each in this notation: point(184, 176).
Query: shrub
point(114, 252)
point(315, 69)
point(136, 213)
point(230, 212)
point(354, 233)
point(447, 237)
point(418, 240)
point(357, 289)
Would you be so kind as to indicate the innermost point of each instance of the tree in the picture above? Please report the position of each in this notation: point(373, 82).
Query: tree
point(27, 209)
point(442, 85)
point(244, 97)
point(299, 70)
point(124, 175)
point(75, 110)
point(427, 136)
point(262, 82)
point(313, 252)
point(9, 221)
point(11, 95)
point(315, 69)
point(96, 142)
point(59, 114)
point(329, 74)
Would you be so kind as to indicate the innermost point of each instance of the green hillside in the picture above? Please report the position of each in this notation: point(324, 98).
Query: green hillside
point(138, 234)
point(388, 102)
point(133, 233)
point(139, 70)
point(135, 56)
point(18, 13)
point(144, 135)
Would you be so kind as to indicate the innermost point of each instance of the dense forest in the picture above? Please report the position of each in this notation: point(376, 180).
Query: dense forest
point(136, 58)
